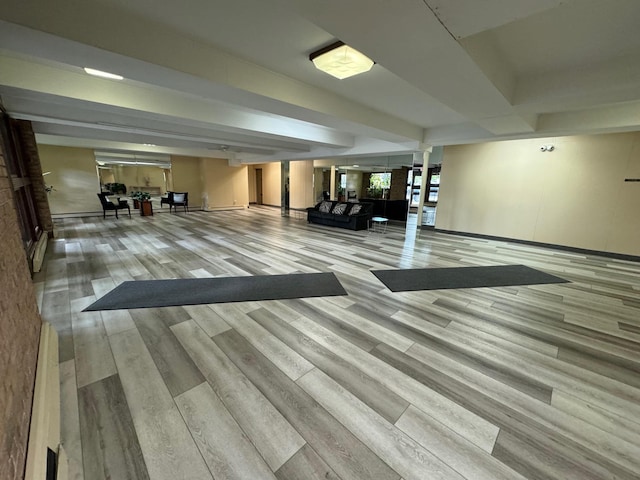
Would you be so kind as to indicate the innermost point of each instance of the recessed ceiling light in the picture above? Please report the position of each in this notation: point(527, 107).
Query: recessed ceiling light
point(341, 61)
point(356, 166)
point(149, 144)
point(99, 73)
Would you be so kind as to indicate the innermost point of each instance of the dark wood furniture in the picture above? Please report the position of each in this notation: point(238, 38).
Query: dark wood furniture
point(176, 199)
point(152, 190)
point(109, 204)
point(146, 208)
point(391, 209)
point(179, 199)
point(166, 200)
point(354, 216)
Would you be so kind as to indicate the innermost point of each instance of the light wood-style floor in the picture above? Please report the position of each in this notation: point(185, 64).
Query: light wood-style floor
point(537, 382)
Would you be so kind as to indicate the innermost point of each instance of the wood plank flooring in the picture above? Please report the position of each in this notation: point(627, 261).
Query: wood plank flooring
point(536, 382)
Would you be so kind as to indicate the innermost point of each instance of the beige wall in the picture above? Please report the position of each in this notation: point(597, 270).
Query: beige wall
point(134, 177)
point(251, 171)
point(271, 181)
point(354, 182)
point(301, 184)
point(573, 196)
point(318, 184)
point(106, 175)
point(225, 186)
point(187, 177)
point(74, 176)
point(168, 179)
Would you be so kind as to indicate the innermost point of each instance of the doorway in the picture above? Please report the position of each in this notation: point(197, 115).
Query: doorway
point(259, 186)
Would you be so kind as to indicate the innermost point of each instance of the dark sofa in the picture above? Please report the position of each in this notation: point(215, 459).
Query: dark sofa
point(353, 217)
point(391, 209)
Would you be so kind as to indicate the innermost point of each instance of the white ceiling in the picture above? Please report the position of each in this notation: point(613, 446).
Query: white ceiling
point(231, 78)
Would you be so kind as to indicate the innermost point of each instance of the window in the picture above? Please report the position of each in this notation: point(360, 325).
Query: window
point(21, 183)
point(379, 184)
point(414, 183)
point(433, 184)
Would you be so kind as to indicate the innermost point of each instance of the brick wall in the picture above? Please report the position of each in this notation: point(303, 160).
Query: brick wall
point(19, 338)
point(326, 180)
point(398, 189)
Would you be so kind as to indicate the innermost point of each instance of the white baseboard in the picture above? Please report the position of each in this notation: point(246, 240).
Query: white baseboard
point(44, 431)
point(75, 215)
point(230, 207)
point(39, 251)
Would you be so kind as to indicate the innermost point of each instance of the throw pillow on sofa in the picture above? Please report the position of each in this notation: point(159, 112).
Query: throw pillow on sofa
point(355, 209)
point(339, 209)
point(325, 207)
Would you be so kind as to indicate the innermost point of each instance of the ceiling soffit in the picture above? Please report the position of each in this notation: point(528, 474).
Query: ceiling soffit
point(153, 55)
point(454, 71)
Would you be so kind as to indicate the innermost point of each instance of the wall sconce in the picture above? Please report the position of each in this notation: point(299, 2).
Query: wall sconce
point(547, 148)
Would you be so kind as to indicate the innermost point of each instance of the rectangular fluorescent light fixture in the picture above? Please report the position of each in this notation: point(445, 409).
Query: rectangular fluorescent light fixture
point(341, 61)
point(99, 73)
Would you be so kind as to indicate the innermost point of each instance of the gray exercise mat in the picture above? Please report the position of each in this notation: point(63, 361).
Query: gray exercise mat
point(463, 277)
point(194, 291)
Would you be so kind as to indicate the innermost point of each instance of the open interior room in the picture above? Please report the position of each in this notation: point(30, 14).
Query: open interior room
point(303, 240)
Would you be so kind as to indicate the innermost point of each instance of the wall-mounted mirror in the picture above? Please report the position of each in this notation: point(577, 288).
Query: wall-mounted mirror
point(381, 181)
point(134, 172)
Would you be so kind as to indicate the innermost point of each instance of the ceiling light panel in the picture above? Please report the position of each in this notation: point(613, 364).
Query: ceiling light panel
point(100, 73)
point(341, 61)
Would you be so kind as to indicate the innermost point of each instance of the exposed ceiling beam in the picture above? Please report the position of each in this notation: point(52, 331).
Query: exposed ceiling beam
point(179, 63)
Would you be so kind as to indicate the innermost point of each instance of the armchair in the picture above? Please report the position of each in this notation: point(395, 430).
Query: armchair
point(179, 199)
point(108, 204)
point(168, 199)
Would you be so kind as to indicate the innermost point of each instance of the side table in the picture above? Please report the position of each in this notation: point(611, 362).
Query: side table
point(146, 208)
point(379, 224)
